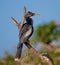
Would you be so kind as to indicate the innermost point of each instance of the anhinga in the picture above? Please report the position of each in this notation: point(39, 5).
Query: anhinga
point(25, 33)
point(27, 28)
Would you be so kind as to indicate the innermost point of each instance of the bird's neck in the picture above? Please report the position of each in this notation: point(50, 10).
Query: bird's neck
point(29, 21)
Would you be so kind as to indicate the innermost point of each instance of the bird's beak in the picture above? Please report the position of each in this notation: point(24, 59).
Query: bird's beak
point(36, 15)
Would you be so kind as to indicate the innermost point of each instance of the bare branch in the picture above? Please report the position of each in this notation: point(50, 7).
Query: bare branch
point(19, 25)
point(23, 18)
point(43, 58)
point(14, 21)
point(24, 10)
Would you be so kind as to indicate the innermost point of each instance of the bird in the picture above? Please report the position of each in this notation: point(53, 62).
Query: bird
point(25, 33)
point(27, 28)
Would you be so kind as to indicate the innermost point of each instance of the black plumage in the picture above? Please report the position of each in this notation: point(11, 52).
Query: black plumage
point(25, 33)
point(27, 28)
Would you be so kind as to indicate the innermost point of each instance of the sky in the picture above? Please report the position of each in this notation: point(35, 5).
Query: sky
point(48, 10)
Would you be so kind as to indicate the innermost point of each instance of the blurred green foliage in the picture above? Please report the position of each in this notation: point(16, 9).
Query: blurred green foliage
point(47, 32)
point(30, 59)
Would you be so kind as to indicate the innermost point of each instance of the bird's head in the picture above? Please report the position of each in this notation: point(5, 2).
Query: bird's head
point(29, 14)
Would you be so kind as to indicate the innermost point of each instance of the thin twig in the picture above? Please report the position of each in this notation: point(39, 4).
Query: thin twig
point(23, 19)
point(14, 21)
point(19, 25)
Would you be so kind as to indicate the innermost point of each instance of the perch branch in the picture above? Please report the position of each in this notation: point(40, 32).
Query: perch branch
point(43, 58)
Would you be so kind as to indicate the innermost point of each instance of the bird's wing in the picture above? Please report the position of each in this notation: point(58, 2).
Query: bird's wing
point(23, 30)
point(25, 34)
